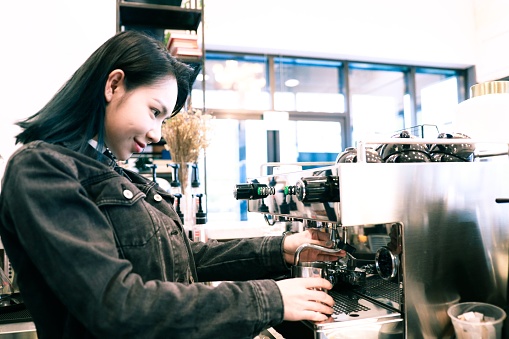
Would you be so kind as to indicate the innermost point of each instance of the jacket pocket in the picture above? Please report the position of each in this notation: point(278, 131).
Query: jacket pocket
point(123, 204)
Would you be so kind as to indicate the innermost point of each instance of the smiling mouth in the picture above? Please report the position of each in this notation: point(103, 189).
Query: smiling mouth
point(140, 146)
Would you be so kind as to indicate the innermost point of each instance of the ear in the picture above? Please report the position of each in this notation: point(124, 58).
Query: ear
point(114, 82)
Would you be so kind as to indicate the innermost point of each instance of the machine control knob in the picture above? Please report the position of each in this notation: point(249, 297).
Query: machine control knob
point(316, 189)
point(252, 191)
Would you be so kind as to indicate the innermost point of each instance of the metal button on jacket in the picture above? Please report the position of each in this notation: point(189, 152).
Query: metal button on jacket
point(157, 197)
point(128, 194)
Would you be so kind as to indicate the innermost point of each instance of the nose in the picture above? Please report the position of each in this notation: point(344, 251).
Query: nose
point(154, 135)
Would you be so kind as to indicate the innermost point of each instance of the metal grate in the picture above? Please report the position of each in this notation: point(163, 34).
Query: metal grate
point(15, 317)
point(384, 289)
point(346, 303)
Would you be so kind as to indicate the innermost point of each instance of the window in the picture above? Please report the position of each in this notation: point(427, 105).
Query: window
point(239, 151)
point(233, 82)
point(323, 106)
point(437, 96)
point(377, 94)
point(307, 85)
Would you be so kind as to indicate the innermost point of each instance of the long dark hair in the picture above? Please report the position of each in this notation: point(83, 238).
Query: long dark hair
point(76, 113)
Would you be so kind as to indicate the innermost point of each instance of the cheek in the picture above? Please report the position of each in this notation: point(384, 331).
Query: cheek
point(107, 121)
point(114, 121)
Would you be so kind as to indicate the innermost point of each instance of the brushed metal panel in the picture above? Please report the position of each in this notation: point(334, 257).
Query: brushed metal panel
point(455, 237)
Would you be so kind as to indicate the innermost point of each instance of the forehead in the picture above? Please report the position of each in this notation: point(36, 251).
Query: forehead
point(164, 90)
point(167, 83)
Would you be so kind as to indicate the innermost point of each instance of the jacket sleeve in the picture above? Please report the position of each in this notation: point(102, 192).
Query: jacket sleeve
point(65, 235)
point(240, 259)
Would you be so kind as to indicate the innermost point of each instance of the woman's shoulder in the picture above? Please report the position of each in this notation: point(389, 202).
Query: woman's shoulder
point(44, 154)
point(41, 150)
point(39, 146)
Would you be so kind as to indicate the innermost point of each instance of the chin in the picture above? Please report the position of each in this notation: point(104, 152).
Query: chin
point(124, 158)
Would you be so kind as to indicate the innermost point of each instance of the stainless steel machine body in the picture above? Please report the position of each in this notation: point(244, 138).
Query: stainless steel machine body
point(450, 239)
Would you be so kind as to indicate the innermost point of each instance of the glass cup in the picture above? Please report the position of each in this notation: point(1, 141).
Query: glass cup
point(488, 329)
point(5, 289)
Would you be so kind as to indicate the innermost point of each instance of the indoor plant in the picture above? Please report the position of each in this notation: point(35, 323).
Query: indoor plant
point(186, 135)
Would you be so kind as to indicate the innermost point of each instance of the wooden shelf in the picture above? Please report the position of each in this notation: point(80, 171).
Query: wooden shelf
point(134, 14)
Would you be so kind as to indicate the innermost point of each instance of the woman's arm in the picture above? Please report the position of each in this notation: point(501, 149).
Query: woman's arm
point(64, 235)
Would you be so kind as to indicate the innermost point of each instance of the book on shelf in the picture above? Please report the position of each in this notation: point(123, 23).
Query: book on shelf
point(183, 43)
point(183, 40)
point(184, 52)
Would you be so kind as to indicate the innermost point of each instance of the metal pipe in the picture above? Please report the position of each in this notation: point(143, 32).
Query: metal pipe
point(313, 246)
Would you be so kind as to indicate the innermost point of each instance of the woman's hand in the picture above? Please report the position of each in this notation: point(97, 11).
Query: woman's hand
point(305, 299)
point(311, 236)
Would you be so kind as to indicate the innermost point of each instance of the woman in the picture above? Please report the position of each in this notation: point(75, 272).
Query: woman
point(99, 251)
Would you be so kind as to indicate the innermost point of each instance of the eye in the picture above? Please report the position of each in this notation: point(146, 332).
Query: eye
point(156, 112)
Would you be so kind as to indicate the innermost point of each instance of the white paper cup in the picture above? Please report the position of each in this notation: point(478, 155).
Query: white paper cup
point(491, 329)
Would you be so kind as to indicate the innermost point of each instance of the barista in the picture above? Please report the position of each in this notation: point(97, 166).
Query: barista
point(99, 250)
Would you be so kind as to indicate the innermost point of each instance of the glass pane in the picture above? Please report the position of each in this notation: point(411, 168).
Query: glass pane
point(437, 100)
point(377, 105)
point(233, 82)
point(318, 141)
point(231, 161)
point(223, 173)
point(307, 85)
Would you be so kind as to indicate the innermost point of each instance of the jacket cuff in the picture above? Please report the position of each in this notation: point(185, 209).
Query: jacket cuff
point(270, 303)
point(273, 253)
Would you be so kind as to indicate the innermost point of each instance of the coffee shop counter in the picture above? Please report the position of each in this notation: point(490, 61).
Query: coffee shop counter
point(18, 330)
point(257, 227)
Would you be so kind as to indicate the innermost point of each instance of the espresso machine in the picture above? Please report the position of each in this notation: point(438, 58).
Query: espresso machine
point(420, 237)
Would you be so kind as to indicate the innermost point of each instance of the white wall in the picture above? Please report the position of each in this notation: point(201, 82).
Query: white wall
point(492, 39)
point(43, 43)
point(432, 32)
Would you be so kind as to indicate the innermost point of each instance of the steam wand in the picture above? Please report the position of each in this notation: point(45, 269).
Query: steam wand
point(306, 246)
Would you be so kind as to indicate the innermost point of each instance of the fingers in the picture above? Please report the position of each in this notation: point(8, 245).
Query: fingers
point(318, 235)
point(313, 316)
point(317, 296)
point(331, 257)
point(320, 238)
point(318, 304)
point(316, 283)
point(306, 299)
point(316, 255)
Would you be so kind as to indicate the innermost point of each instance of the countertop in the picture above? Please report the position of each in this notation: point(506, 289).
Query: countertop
point(19, 330)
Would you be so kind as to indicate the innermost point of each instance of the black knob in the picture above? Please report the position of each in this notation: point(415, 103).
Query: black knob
point(252, 191)
point(317, 189)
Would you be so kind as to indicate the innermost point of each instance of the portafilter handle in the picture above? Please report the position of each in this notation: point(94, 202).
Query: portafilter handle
point(313, 246)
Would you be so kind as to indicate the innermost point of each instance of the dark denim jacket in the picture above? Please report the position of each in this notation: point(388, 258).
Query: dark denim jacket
point(100, 254)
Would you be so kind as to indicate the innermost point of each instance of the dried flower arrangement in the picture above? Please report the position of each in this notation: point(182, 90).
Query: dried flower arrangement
point(186, 135)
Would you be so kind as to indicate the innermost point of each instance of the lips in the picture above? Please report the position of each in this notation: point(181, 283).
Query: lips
point(139, 146)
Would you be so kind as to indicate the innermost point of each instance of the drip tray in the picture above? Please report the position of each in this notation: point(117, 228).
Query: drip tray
point(352, 309)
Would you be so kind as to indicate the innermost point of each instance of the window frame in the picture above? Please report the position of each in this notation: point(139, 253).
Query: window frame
point(345, 119)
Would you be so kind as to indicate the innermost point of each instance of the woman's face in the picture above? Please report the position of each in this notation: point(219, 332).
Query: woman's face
point(133, 119)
